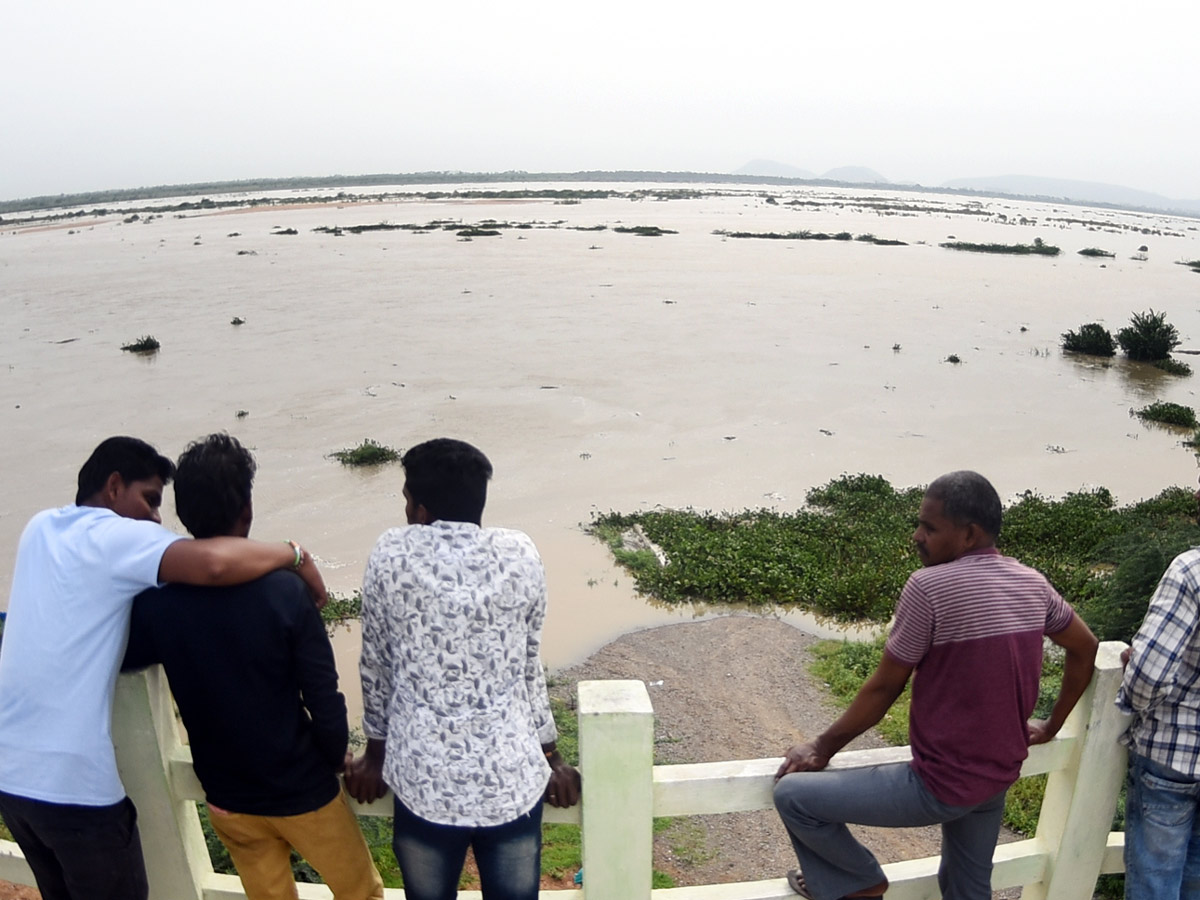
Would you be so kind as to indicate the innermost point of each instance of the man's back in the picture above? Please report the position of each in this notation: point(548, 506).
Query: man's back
point(452, 621)
point(78, 568)
point(245, 664)
point(973, 628)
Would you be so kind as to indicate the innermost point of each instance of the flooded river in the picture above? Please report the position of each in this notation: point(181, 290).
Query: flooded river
point(598, 370)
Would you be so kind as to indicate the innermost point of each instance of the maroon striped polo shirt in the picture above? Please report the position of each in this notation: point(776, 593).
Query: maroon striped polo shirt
point(972, 629)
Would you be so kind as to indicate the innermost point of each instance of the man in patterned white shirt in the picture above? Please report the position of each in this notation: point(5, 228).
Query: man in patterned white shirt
point(455, 707)
point(1162, 690)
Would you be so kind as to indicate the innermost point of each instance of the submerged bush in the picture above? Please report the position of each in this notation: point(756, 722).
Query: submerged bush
point(1172, 366)
point(1093, 339)
point(1168, 414)
point(643, 230)
point(147, 343)
point(368, 453)
point(1037, 248)
point(1148, 336)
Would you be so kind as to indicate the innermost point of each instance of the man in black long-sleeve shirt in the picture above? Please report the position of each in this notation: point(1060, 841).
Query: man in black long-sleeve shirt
point(253, 675)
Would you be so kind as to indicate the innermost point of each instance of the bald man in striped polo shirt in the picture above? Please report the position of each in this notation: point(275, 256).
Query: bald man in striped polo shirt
point(970, 625)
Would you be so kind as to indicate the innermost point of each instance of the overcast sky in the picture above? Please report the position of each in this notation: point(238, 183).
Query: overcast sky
point(127, 93)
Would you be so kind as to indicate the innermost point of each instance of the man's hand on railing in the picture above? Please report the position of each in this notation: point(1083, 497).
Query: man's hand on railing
point(1039, 731)
point(364, 776)
point(802, 758)
point(565, 784)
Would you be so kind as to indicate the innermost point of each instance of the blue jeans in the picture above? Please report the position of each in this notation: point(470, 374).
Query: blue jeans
point(1162, 833)
point(431, 856)
point(816, 806)
point(79, 852)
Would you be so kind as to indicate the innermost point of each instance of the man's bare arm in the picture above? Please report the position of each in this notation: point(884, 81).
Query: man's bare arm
point(224, 561)
point(874, 699)
point(1079, 642)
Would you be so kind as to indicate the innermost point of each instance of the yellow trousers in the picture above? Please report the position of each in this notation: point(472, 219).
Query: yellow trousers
point(329, 838)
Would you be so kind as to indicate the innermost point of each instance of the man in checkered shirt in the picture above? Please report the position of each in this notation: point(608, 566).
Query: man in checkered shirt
point(1162, 691)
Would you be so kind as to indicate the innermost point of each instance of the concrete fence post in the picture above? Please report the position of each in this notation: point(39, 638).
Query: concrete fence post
point(616, 755)
point(1080, 798)
point(144, 734)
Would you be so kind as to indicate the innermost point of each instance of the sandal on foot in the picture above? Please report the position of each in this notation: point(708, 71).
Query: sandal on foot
point(795, 881)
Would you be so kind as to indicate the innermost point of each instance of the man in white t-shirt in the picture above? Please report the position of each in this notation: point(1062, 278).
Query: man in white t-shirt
point(77, 571)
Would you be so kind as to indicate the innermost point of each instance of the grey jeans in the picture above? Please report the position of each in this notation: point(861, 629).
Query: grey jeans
point(816, 806)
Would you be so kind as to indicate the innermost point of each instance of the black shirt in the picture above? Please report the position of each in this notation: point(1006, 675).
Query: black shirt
point(253, 675)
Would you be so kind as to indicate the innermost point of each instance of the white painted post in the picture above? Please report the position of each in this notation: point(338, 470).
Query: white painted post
point(1080, 798)
point(12, 864)
point(145, 734)
point(616, 755)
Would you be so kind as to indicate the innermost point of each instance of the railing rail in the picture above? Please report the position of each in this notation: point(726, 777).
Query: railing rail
point(624, 791)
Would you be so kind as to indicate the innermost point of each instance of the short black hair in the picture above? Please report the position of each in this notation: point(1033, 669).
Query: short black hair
point(968, 498)
point(129, 457)
point(212, 484)
point(449, 478)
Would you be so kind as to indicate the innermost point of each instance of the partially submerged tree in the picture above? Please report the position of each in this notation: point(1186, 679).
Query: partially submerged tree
point(1092, 338)
point(1149, 336)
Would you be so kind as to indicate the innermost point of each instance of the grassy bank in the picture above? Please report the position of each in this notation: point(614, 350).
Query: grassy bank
point(847, 553)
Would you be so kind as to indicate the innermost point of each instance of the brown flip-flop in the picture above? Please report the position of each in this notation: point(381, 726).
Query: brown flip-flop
point(796, 882)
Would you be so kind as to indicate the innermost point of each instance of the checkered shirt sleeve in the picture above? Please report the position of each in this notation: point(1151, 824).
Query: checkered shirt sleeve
point(1161, 688)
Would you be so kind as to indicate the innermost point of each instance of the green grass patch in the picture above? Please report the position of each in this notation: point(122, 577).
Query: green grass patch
point(1168, 413)
point(1037, 248)
point(844, 666)
point(147, 343)
point(562, 850)
point(367, 453)
point(339, 610)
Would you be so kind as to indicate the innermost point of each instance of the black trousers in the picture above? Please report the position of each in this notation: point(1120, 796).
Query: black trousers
point(79, 852)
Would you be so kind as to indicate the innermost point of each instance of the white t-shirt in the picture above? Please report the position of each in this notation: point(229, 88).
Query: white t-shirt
point(78, 569)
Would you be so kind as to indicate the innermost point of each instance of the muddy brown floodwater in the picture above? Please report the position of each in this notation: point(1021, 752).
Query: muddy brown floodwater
point(598, 370)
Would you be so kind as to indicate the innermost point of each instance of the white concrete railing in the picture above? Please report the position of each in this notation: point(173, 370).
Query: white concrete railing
point(624, 790)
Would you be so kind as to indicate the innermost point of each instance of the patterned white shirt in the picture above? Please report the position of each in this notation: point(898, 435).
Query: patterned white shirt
point(451, 670)
point(1161, 687)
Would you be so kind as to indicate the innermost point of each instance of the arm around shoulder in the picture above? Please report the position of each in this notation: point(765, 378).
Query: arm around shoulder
point(224, 561)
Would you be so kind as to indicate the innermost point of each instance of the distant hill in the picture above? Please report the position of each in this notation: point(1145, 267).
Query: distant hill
point(844, 174)
point(855, 175)
point(773, 169)
point(1079, 191)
